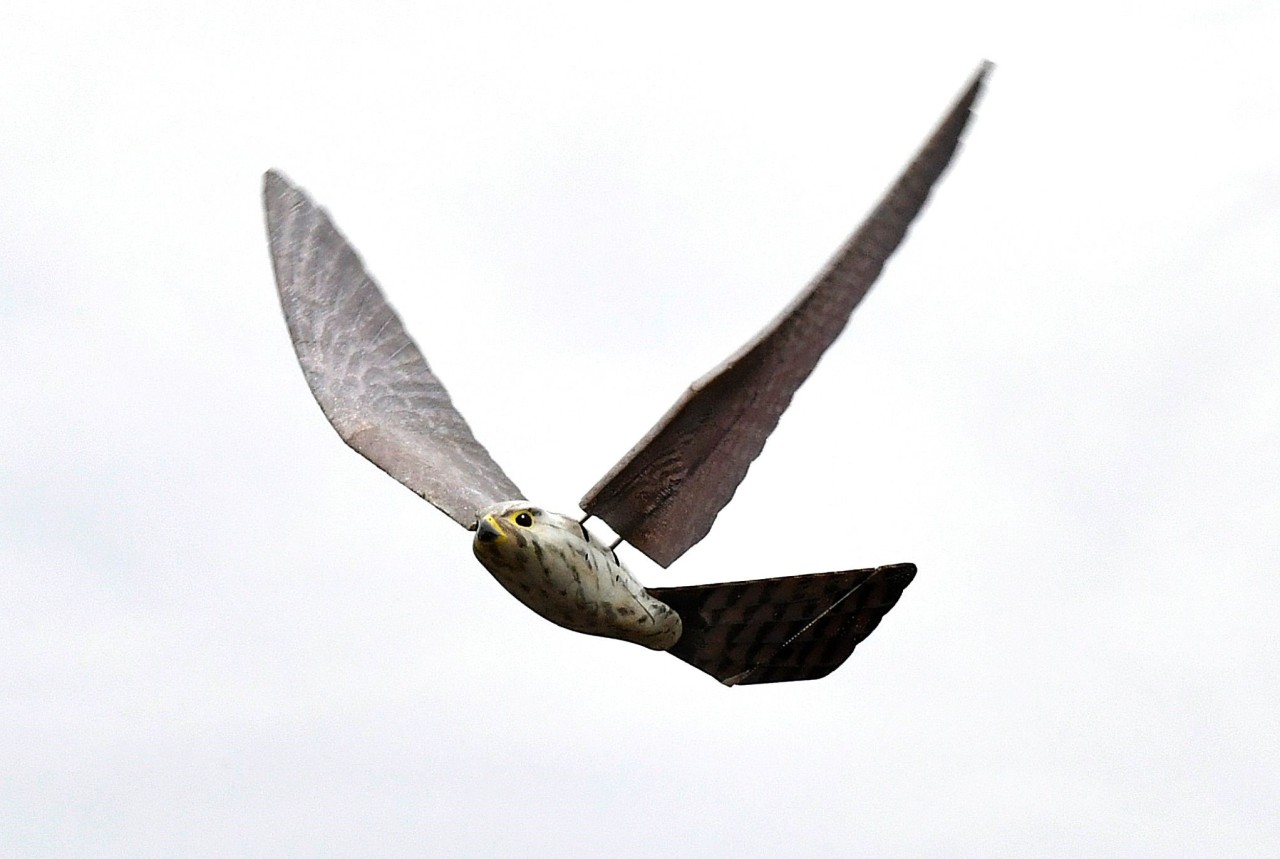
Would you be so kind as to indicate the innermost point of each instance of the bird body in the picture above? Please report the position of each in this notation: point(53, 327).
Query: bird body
point(377, 390)
point(558, 568)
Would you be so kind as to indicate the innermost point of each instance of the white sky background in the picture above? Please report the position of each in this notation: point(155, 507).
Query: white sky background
point(222, 632)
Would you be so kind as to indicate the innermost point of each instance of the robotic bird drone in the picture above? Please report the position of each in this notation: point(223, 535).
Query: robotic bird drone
point(376, 389)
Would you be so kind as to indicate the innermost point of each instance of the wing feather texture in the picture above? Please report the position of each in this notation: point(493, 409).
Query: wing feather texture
point(777, 630)
point(365, 371)
point(665, 494)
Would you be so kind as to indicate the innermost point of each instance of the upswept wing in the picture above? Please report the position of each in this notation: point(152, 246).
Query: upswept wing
point(364, 370)
point(664, 495)
point(775, 630)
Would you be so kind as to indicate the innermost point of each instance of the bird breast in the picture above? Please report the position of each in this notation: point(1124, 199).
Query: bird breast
point(562, 572)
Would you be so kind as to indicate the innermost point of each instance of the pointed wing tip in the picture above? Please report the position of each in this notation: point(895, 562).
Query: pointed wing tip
point(969, 96)
point(979, 77)
point(279, 195)
point(274, 181)
point(974, 89)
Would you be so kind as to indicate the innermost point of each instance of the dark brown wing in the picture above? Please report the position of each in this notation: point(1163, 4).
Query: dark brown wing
point(774, 630)
point(367, 374)
point(665, 494)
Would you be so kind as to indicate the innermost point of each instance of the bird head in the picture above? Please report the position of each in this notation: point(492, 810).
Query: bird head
point(507, 529)
point(502, 522)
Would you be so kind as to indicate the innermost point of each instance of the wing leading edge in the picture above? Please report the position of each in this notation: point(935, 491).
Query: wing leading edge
point(665, 494)
point(365, 371)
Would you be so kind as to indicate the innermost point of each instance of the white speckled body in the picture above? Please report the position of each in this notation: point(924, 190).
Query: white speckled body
point(557, 568)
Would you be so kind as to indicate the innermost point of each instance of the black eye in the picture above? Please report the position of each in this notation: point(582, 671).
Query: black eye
point(524, 520)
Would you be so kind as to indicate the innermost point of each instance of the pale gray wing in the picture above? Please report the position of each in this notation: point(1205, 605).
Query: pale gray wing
point(365, 372)
point(665, 494)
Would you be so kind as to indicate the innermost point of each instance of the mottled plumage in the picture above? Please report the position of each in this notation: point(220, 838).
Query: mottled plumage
point(383, 399)
point(556, 567)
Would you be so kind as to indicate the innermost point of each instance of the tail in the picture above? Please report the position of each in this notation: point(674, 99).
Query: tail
point(789, 628)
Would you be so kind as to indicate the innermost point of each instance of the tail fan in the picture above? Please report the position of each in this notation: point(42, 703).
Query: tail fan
point(789, 628)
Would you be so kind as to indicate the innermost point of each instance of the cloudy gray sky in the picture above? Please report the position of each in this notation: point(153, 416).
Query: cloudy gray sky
point(224, 633)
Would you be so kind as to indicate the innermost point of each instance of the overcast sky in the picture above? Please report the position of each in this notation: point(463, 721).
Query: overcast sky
point(224, 633)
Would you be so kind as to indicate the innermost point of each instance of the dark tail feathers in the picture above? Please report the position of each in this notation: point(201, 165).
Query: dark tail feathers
point(789, 628)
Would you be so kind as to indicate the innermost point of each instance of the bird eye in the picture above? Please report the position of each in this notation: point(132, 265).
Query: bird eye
point(523, 519)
